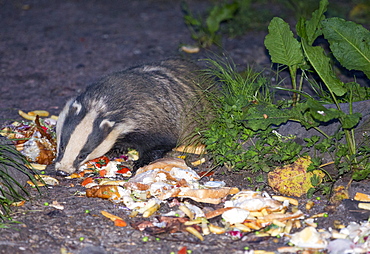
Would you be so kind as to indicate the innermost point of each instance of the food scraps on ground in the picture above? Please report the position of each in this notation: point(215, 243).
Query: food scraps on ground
point(293, 179)
point(118, 221)
point(56, 205)
point(36, 140)
point(190, 49)
point(171, 181)
point(245, 211)
point(42, 180)
point(362, 197)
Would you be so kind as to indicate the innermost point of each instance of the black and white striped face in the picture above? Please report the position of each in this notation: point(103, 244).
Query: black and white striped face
point(83, 134)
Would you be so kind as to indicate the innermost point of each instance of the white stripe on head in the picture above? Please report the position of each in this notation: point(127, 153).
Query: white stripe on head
point(98, 105)
point(60, 122)
point(76, 142)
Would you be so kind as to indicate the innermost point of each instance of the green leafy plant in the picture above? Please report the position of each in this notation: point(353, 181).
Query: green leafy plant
point(229, 134)
point(240, 16)
point(250, 15)
point(242, 134)
point(12, 164)
point(352, 52)
point(300, 8)
point(205, 32)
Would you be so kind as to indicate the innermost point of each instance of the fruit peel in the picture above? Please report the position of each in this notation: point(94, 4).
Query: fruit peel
point(293, 179)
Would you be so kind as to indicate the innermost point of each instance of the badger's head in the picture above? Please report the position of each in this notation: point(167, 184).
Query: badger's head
point(84, 132)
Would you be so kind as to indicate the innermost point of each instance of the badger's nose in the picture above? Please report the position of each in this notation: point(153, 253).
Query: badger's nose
point(61, 173)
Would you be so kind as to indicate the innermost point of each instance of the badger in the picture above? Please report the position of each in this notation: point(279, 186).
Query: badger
point(149, 108)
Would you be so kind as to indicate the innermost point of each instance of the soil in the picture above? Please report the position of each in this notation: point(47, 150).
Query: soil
point(49, 52)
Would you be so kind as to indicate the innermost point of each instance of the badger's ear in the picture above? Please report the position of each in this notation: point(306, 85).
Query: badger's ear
point(75, 107)
point(106, 126)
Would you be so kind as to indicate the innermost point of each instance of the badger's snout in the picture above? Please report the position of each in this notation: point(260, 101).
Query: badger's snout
point(63, 170)
point(61, 173)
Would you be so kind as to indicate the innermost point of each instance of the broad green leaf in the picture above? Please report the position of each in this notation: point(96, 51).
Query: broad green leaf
point(301, 28)
point(321, 113)
point(312, 113)
point(349, 42)
point(313, 25)
point(281, 44)
point(218, 14)
point(321, 63)
point(351, 120)
point(263, 116)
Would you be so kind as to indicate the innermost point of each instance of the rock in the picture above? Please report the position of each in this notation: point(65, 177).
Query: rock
point(361, 130)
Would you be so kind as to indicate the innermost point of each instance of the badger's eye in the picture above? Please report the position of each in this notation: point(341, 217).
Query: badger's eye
point(81, 157)
point(61, 147)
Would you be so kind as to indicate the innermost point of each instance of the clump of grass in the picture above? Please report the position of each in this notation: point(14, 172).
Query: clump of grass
point(13, 171)
point(226, 136)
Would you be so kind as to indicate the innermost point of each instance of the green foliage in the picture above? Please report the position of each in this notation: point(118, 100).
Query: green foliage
point(218, 14)
point(10, 189)
point(249, 15)
point(364, 160)
point(242, 110)
point(311, 27)
point(205, 32)
point(300, 8)
point(280, 41)
point(238, 16)
point(286, 49)
point(321, 63)
point(352, 52)
point(355, 92)
point(242, 135)
point(263, 115)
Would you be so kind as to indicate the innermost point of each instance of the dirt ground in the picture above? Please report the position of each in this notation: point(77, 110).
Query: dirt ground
point(49, 52)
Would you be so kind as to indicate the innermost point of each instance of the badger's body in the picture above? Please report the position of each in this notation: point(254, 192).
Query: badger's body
point(145, 108)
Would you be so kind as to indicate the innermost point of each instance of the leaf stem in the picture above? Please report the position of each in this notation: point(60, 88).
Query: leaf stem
point(316, 128)
point(293, 72)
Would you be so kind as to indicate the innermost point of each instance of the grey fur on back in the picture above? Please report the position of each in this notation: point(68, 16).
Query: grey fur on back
point(151, 106)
